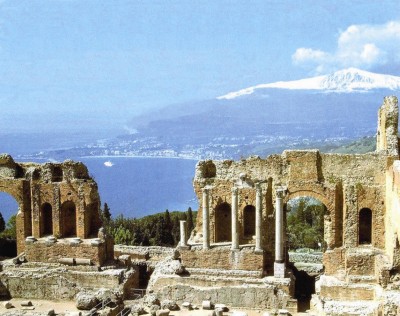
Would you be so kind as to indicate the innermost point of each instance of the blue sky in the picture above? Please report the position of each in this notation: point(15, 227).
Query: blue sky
point(102, 62)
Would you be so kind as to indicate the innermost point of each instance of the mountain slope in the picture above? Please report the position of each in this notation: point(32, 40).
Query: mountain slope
point(262, 121)
point(347, 80)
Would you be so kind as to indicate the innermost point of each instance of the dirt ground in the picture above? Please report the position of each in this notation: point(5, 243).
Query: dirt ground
point(39, 306)
point(62, 307)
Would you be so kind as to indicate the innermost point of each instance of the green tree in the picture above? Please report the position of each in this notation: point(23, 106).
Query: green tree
point(305, 223)
point(2, 223)
point(176, 230)
point(106, 212)
point(11, 229)
point(190, 223)
point(168, 238)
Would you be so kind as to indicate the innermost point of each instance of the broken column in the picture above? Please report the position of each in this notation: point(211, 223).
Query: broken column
point(235, 233)
point(183, 234)
point(206, 219)
point(258, 216)
point(279, 265)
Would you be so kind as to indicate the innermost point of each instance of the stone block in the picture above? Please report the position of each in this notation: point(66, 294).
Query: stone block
point(162, 312)
point(187, 305)
point(207, 305)
point(86, 301)
point(279, 270)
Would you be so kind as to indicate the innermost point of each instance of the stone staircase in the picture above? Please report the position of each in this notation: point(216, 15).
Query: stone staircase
point(357, 288)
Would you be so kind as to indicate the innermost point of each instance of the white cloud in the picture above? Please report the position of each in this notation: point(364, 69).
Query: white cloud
point(363, 46)
point(308, 55)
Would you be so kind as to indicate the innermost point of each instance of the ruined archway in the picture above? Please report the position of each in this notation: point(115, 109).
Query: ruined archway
point(68, 219)
point(305, 242)
point(305, 223)
point(46, 219)
point(365, 226)
point(223, 222)
point(8, 209)
point(249, 221)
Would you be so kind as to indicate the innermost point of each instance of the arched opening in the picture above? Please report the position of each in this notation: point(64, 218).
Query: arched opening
point(249, 221)
point(305, 242)
point(68, 219)
point(46, 220)
point(223, 222)
point(365, 226)
point(92, 220)
point(8, 210)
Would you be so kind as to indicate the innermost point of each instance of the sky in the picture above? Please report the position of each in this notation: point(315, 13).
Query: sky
point(66, 64)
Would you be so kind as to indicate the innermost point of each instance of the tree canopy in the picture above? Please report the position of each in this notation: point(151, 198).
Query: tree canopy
point(305, 223)
point(161, 229)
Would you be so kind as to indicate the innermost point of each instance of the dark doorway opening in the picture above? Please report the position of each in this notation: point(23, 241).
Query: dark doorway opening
point(46, 217)
point(68, 211)
point(304, 288)
point(223, 222)
point(365, 227)
point(249, 221)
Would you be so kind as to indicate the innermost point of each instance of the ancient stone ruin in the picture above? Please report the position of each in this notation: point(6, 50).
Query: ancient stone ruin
point(240, 237)
point(238, 253)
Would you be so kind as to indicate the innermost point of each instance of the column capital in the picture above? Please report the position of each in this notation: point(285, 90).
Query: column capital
point(280, 192)
point(235, 190)
point(205, 190)
point(258, 188)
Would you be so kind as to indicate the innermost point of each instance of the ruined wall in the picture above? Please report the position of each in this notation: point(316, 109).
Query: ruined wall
point(43, 251)
point(58, 199)
point(260, 294)
point(392, 219)
point(344, 183)
point(387, 133)
point(223, 258)
point(58, 282)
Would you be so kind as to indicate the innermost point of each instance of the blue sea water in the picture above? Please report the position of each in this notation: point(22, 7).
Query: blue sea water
point(136, 187)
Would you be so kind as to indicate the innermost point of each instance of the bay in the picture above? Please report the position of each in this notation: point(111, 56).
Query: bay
point(135, 187)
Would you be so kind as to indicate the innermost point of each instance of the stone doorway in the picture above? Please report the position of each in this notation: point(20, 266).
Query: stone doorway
point(46, 220)
point(305, 242)
point(365, 227)
point(68, 222)
point(223, 222)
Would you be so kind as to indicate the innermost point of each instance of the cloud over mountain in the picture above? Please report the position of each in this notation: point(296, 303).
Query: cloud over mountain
point(365, 46)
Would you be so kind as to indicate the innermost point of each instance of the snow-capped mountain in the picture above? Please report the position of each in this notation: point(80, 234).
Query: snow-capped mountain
point(347, 80)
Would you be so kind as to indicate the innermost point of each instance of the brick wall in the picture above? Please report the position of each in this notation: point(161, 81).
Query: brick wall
point(222, 258)
point(42, 251)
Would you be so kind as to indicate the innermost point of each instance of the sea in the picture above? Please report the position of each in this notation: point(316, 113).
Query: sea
point(134, 187)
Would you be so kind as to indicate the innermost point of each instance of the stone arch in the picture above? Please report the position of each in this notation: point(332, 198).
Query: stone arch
point(311, 193)
point(46, 219)
point(365, 226)
point(249, 221)
point(20, 191)
point(223, 222)
point(68, 219)
point(329, 201)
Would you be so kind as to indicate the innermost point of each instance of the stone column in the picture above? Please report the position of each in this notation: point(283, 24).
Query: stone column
point(235, 232)
point(206, 219)
point(279, 265)
point(183, 234)
point(258, 217)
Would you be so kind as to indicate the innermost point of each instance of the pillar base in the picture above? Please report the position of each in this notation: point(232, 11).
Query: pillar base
point(186, 247)
point(279, 270)
point(259, 250)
